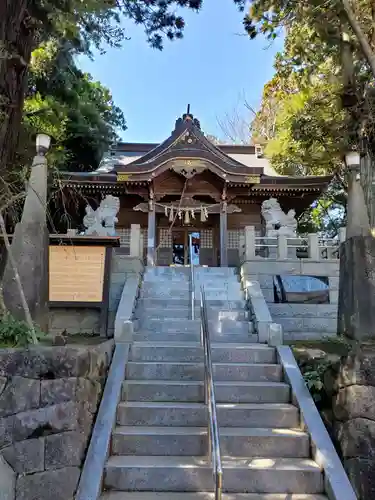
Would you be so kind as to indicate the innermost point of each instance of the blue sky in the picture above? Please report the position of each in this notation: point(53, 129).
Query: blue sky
point(210, 68)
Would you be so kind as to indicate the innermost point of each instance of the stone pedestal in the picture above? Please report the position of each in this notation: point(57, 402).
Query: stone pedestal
point(30, 251)
point(356, 312)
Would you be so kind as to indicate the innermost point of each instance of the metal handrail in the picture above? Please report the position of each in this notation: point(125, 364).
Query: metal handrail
point(209, 392)
point(192, 277)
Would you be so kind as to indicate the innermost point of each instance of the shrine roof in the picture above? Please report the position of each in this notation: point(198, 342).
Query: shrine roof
point(234, 164)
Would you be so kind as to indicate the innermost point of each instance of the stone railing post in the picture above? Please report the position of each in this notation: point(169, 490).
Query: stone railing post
point(313, 250)
point(342, 234)
point(282, 246)
point(135, 240)
point(249, 242)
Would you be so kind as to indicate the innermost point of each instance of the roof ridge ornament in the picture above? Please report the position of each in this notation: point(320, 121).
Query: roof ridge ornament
point(188, 117)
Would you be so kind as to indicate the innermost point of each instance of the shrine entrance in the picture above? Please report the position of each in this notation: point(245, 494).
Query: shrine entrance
point(199, 219)
point(185, 243)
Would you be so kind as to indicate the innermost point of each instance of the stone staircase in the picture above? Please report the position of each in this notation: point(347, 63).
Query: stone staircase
point(159, 445)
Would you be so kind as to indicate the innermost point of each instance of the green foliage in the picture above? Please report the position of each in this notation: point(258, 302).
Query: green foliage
point(15, 333)
point(66, 103)
point(303, 98)
point(314, 378)
point(94, 22)
point(314, 57)
point(302, 118)
point(318, 360)
point(61, 100)
point(308, 132)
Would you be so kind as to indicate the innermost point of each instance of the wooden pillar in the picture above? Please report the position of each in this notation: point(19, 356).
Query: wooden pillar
point(223, 235)
point(151, 231)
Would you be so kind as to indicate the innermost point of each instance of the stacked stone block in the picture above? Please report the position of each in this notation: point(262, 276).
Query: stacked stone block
point(48, 401)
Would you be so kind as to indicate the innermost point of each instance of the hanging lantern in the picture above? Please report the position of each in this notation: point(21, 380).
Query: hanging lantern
point(171, 214)
point(187, 218)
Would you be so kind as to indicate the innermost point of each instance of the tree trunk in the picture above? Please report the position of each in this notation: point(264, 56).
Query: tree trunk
point(17, 33)
point(361, 37)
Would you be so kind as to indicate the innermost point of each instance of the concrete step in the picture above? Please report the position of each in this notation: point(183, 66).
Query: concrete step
point(168, 370)
point(210, 272)
point(213, 296)
point(212, 282)
point(168, 495)
point(136, 473)
point(191, 351)
point(180, 325)
point(190, 441)
point(223, 294)
point(145, 304)
point(168, 283)
point(159, 441)
point(220, 284)
point(193, 391)
point(168, 326)
point(239, 338)
point(178, 302)
point(274, 415)
point(185, 313)
point(162, 270)
point(164, 293)
point(166, 288)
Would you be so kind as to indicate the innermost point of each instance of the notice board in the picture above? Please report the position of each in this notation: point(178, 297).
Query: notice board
point(76, 273)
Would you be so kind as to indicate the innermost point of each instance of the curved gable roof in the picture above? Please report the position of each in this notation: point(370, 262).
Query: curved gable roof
point(187, 140)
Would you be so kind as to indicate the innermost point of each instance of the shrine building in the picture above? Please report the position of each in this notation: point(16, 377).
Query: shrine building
point(190, 194)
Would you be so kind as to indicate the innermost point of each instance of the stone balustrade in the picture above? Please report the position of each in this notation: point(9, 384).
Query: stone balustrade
point(282, 247)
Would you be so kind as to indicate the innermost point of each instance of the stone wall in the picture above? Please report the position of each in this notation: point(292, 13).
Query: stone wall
point(299, 321)
point(305, 321)
point(74, 321)
point(354, 419)
point(48, 400)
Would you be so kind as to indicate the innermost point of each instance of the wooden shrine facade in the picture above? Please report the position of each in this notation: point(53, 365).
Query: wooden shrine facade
point(189, 185)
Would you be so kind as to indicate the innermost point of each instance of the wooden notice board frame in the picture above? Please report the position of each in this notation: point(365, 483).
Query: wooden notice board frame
point(99, 253)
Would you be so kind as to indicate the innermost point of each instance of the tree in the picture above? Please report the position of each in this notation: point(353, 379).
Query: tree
point(25, 24)
point(78, 112)
point(326, 103)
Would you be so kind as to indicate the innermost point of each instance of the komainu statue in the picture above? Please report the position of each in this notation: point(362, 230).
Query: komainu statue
point(101, 222)
point(277, 221)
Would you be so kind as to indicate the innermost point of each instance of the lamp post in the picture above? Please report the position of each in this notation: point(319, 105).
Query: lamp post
point(28, 267)
point(43, 142)
point(357, 216)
